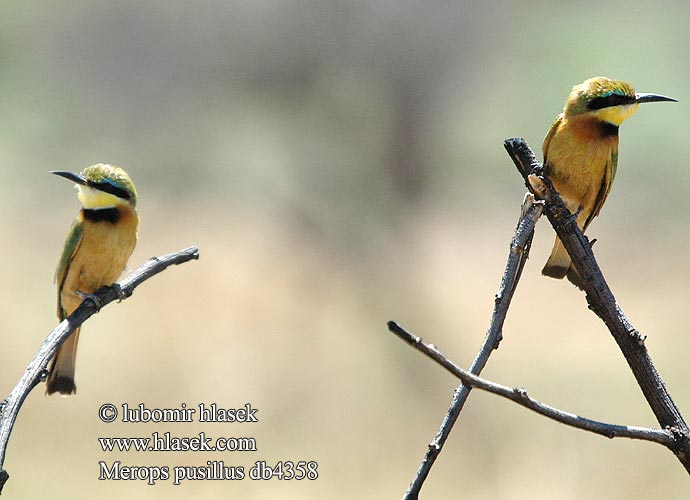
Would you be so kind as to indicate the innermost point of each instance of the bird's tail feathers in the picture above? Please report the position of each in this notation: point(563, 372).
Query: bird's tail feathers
point(559, 265)
point(61, 378)
point(559, 261)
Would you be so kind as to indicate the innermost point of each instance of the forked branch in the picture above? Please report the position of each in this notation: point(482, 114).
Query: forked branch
point(601, 300)
point(674, 433)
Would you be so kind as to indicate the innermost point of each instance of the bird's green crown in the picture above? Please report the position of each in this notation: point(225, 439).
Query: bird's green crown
point(111, 180)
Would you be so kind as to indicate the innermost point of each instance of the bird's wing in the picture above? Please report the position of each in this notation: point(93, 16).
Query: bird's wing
point(606, 183)
point(74, 238)
point(552, 131)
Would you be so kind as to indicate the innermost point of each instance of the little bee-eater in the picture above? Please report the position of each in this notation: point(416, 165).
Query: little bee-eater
point(581, 154)
point(98, 245)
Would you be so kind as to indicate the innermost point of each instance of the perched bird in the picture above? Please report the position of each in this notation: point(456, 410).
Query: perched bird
point(98, 244)
point(581, 154)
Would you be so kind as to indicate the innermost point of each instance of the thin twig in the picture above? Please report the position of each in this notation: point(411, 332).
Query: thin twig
point(519, 250)
point(520, 396)
point(36, 371)
point(601, 300)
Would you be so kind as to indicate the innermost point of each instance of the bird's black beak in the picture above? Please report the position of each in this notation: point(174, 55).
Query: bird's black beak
point(79, 179)
point(645, 97)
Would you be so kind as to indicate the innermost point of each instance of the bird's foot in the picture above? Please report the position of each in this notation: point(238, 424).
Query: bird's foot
point(96, 301)
point(573, 217)
point(121, 294)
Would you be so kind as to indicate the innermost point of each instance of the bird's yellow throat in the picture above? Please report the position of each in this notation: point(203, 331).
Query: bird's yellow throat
point(94, 199)
point(616, 114)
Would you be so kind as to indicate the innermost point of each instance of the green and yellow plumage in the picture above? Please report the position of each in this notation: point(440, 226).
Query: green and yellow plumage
point(96, 250)
point(581, 153)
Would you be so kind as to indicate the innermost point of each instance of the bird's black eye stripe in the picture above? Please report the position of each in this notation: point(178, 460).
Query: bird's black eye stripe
point(106, 187)
point(610, 100)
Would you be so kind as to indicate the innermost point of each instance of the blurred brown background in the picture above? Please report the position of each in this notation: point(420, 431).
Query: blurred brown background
point(340, 164)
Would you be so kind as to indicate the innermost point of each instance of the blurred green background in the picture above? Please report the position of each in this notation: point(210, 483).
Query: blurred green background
point(340, 164)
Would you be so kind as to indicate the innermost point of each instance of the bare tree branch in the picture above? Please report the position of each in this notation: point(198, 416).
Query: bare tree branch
point(36, 371)
point(675, 434)
point(520, 396)
point(601, 300)
point(517, 256)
